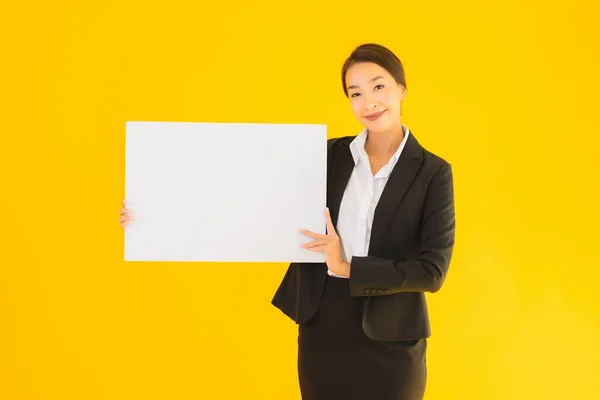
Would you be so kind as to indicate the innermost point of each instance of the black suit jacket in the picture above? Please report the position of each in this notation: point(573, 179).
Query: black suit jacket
point(411, 245)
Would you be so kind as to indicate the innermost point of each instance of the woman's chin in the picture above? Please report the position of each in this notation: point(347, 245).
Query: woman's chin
point(377, 126)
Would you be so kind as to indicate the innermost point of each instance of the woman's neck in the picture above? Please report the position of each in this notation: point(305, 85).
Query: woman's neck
point(384, 144)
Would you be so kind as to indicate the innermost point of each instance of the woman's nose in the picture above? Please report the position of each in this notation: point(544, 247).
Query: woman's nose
point(370, 103)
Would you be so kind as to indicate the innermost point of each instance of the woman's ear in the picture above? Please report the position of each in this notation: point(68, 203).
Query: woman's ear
point(403, 92)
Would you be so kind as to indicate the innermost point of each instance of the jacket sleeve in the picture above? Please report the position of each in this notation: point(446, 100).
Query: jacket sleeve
point(374, 276)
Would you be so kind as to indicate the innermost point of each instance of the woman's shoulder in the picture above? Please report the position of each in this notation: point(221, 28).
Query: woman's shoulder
point(434, 159)
point(335, 142)
point(430, 158)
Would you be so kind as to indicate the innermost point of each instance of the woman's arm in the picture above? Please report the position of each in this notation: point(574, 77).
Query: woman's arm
point(374, 276)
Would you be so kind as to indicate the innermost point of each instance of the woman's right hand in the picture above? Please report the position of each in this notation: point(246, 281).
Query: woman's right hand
point(125, 217)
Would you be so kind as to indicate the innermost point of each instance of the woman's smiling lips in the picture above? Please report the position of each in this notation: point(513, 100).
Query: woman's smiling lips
point(373, 117)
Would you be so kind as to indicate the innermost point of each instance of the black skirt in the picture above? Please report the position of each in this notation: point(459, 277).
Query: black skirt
point(336, 360)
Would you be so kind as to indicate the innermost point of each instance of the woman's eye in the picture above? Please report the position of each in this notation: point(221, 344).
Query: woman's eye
point(355, 94)
point(379, 87)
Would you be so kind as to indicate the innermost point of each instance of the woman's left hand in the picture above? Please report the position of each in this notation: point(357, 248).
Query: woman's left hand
point(330, 245)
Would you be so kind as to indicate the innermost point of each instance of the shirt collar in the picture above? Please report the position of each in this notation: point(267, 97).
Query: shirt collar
point(357, 147)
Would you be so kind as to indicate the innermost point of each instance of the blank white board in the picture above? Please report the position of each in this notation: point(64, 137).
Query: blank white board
point(224, 192)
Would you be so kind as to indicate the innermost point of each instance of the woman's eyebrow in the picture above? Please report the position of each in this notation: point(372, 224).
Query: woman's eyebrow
point(370, 81)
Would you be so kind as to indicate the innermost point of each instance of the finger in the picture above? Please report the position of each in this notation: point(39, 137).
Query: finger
point(315, 243)
point(313, 234)
point(319, 249)
point(123, 203)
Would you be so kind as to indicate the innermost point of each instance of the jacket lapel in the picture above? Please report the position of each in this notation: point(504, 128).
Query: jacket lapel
point(399, 181)
point(341, 169)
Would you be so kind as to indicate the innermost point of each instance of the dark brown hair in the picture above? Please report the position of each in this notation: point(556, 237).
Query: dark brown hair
point(378, 54)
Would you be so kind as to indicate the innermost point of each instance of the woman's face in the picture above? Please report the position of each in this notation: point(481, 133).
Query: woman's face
point(375, 96)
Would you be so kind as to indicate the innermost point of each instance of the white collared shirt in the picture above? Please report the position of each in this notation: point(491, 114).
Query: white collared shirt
point(361, 197)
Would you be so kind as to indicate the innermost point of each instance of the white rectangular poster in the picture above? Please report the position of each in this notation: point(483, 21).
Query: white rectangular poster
point(224, 192)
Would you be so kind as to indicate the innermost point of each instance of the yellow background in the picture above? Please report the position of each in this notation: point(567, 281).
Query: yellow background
point(507, 92)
